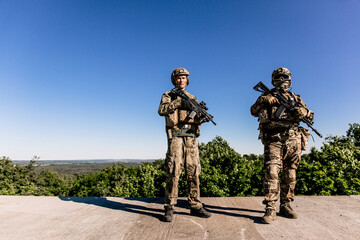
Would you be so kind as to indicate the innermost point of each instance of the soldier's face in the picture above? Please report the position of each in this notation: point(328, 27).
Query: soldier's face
point(181, 82)
point(282, 83)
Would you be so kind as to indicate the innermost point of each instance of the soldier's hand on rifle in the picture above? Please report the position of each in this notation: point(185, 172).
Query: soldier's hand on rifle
point(177, 103)
point(270, 100)
point(310, 115)
point(185, 104)
point(301, 112)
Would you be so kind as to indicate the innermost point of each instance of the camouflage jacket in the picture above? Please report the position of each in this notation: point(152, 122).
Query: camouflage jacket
point(266, 113)
point(176, 117)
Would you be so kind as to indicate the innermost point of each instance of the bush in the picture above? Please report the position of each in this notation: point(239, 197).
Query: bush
point(22, 180)
point(332, 170)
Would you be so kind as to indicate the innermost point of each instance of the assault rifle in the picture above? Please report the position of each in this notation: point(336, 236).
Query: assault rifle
point(195, 107)
point(285, 104)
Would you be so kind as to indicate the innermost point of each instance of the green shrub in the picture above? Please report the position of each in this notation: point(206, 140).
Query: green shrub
point(332, 170)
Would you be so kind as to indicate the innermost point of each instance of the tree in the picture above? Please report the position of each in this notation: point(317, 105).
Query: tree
point(333, 170)
point(354, 132)
point(226, 173)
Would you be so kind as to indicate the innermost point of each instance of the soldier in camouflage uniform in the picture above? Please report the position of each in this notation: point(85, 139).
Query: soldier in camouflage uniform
point(183, 151)
point(283, 141)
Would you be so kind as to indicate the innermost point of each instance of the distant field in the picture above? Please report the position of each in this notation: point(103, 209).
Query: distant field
point(73, 168)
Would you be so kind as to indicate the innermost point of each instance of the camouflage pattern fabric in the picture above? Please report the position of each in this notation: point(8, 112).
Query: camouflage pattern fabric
point(283, 141)
point(282, 151)
point(175, 116)
point(182, 151)
point(179, 72)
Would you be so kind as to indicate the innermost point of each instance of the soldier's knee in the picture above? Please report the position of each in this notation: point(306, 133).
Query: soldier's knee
point(290, 175)
point(272, 172)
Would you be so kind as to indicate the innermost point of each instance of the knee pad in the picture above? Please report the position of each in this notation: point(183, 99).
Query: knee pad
point(290, 175)
point(272, 172)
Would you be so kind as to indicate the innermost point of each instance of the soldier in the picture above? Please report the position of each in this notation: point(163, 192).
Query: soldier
point(283, 141)
point(182, 133)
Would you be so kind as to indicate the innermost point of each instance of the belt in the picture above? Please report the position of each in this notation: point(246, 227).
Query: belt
point(184, 131)
point(186, 126)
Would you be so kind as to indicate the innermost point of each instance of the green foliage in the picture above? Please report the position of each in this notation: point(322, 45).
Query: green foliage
point(226, 173)
point(354, 133)
point(332, 170)
point(22, 180)
point(335, 170)
point(118, 180)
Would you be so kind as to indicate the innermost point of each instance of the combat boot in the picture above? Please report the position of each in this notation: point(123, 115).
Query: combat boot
point(201, 212)
point(169, 212)
point(287, 211)
point(269, 217)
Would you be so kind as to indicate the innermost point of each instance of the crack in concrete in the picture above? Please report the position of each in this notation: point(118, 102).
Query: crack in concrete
point(199, 225)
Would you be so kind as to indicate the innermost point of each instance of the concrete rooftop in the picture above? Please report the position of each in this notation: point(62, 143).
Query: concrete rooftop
point(29, 217)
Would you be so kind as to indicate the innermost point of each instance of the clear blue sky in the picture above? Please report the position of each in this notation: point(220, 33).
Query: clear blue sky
point(84, 79)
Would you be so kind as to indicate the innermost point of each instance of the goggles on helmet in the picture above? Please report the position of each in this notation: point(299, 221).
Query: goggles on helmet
point(284, 76)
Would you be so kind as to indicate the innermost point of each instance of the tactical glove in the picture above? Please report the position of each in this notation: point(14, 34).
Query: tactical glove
point(301, 112)
point(185, 104)
point(177, 103)
point(310, 115)
point(270, 100)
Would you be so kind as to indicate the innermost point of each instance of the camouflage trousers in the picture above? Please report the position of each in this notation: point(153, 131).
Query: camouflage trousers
point(183, 152)
point(282, 152)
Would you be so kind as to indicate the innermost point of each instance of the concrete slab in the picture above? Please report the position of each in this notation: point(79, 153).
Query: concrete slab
point(29, 217)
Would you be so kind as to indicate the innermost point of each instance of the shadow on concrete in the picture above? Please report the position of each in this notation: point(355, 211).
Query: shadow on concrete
point(229, 211)
point(180, 202)
point(233, 209)
point(133, 208)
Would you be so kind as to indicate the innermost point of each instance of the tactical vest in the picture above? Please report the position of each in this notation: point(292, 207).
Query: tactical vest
point(180, 116)
point(179, 123)
point(268, 119)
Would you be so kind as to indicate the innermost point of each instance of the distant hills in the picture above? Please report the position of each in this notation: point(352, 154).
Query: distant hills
point(73, 168)
point(84, 161)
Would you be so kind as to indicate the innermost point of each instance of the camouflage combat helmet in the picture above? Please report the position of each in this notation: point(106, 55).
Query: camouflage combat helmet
point(179, 72)
point(282, 74)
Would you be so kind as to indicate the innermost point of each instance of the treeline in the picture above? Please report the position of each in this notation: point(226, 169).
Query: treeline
point(332, 170)
point(76, 168)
